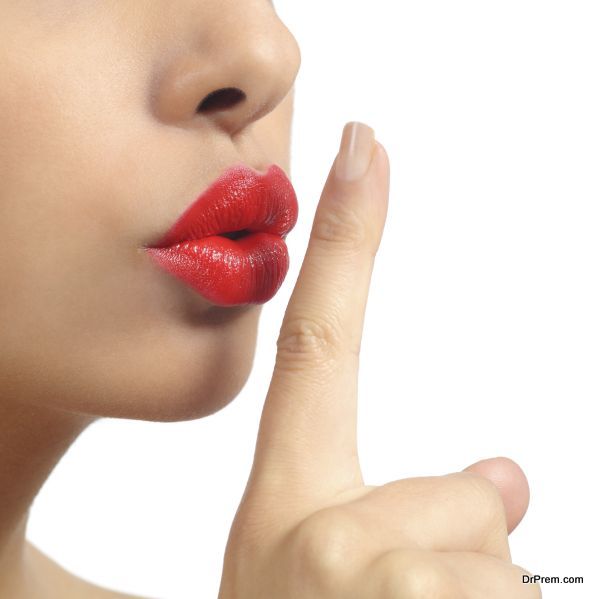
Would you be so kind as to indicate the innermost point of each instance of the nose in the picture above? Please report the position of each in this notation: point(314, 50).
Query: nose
point(240, 63)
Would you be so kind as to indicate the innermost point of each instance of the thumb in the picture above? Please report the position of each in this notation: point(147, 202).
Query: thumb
point(512, 484)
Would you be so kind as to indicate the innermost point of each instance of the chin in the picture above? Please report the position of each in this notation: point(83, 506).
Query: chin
point(173, 371)
point(181, 404)
point(166, 396)
point(199, 374)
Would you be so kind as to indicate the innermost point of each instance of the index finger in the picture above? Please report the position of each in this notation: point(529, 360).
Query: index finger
point(307, 435)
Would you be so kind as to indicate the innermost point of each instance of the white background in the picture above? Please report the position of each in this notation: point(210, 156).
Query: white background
point(482, 333)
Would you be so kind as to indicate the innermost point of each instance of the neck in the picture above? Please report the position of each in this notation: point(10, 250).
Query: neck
point(32, 441)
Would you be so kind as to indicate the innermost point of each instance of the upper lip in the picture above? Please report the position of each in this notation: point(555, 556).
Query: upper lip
point(241, 198)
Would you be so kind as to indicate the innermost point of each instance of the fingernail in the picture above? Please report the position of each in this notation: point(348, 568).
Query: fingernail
point(356, 150)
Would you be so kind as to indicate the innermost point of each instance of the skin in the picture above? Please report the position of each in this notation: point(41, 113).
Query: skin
point(101, 149)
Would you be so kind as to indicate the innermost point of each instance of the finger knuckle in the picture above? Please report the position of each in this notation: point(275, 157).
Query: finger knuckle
point(324, 545)
point(305, 337)
point(485, 497)
point(341, 227)
point(410, 574)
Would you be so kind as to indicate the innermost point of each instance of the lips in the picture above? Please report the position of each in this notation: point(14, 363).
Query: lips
point(228, 245)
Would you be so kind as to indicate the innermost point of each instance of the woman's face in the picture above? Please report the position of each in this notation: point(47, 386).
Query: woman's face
point(101, 150)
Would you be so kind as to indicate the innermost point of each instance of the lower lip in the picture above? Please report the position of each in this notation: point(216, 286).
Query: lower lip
point(228, 272)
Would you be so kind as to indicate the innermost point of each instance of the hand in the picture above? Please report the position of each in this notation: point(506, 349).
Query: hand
point(307, 526)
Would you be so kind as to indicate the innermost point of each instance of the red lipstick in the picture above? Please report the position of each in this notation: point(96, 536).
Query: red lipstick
point(229, 244)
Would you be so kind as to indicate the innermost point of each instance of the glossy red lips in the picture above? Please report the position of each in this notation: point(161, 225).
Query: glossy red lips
point(229, 244)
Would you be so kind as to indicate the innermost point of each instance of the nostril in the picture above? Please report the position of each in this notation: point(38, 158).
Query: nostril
point(221, 99)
